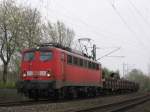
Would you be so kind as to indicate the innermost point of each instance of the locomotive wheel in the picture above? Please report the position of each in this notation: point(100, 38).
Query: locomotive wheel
point(91, 92)
point(34, 94)
point(73, 93)
point(70, 93)
point(60, 94)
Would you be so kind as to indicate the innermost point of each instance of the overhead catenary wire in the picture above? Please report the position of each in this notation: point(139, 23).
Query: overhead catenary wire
point(139, 13)
point(135, 16)
point(109, 53)
point(71, 22)
point(94, 33)
point(47, 9)
point(94, 29)
point(100, 33)
point(127, 26)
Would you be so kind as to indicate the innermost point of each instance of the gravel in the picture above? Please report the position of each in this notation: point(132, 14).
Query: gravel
point(141, 108)
point(70, 105)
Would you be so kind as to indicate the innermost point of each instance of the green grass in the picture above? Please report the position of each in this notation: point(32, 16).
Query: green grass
point(7, 85)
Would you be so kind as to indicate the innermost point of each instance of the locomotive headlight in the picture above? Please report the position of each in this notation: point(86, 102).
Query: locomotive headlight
point(24, 74)
point(48, 74)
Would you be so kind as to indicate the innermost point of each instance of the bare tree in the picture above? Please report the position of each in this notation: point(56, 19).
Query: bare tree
point(8, 33)
point(59, 33)
point(19, 27)
point(31, 27)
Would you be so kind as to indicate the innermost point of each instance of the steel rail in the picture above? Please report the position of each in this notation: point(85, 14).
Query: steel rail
point(24, 103)
point(130, 106)
point(32, 102)
point(115, 107)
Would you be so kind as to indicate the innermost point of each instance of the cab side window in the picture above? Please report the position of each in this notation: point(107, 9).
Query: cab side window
point(89, 64)
point(75, 60)
point(97, 66)
point(69, 59)
point(81, 62)
point(85, 63)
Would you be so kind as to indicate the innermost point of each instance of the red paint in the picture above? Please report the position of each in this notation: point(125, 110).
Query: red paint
point(60, 69)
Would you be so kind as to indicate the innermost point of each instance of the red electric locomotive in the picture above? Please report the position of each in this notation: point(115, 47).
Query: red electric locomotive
point(53, 71)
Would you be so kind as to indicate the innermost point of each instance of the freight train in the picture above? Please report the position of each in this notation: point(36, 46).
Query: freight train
point(53, 71)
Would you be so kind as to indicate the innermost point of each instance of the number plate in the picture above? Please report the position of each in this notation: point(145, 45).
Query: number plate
point(29, 73)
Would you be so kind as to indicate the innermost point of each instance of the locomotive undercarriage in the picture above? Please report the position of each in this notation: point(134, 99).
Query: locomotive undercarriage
point(46, 89)
point(42, 89)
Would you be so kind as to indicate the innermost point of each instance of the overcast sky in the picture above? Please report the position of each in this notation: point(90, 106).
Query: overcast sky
point(109, 23)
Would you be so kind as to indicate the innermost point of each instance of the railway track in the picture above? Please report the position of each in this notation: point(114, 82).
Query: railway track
point(112, 107)
point(24, 103)
point(33, 102)
point(18, 103)
point(116, 107)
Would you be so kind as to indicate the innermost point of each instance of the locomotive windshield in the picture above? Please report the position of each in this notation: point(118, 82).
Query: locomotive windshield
point(44, 56)
point(28, 56)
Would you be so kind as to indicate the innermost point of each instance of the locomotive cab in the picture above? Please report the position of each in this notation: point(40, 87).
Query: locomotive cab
point(37, 72)
point(37, 65)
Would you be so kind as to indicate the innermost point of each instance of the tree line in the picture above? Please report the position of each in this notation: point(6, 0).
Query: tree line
point(21, 27)
point(141, 78)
